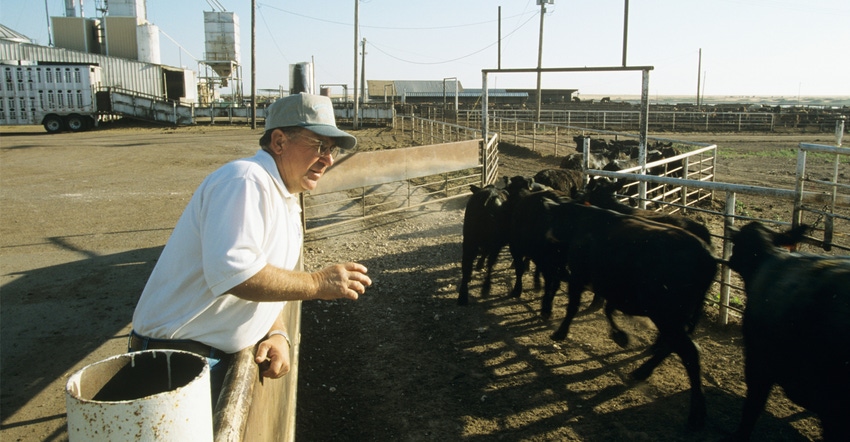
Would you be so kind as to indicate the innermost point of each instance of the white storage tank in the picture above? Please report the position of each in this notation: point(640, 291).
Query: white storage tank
point(301, 78)
point(147, 36)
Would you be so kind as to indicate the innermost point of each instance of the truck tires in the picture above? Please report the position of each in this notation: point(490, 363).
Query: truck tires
point(76, 123)
point(53, 124)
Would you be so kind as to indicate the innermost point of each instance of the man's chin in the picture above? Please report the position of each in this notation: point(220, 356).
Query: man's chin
point(308, 184)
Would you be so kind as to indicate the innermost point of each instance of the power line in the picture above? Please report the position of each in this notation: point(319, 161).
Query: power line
point(372, 44)
point(393, 28)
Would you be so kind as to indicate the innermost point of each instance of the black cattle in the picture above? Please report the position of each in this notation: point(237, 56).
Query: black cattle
point(796, 327)
point(600, 192)
point(662, 272)
point(528, 227)
point(575, 161)
point(568, 181)
point(596, 144)
point(485, 233)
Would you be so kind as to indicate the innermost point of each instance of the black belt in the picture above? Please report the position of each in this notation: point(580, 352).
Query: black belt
point(139, 343)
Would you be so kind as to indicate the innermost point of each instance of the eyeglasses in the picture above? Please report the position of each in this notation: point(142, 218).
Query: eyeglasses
point(321, 148)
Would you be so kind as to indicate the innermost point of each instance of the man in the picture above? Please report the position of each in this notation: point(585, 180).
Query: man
point(229, 266)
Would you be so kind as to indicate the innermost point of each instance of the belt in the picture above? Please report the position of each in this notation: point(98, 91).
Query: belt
point(139, 343)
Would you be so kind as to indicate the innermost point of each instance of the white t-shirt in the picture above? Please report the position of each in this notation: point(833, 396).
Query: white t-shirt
point(240, 218)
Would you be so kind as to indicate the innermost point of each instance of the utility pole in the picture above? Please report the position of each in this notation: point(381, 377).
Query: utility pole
point(499, 58)
point(699, 69)
point(625, 32)
point(542, 4)
point(49, 31)
point(363, 73)
point(253, 64)
point(356, 24)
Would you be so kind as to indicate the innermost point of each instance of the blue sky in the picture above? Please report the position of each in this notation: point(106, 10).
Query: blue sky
point(749, 47)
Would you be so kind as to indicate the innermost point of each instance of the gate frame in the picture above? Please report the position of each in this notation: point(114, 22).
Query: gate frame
point(643, 124)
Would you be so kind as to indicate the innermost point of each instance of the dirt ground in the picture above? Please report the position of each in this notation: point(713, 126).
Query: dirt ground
point(85, 216)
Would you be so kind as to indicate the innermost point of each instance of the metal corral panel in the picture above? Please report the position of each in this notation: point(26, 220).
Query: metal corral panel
point(143, 78)
point(386, 166)
point(121, 37)
point(76, 33)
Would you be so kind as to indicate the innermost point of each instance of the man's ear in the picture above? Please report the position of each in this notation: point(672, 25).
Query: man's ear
point(279, 138)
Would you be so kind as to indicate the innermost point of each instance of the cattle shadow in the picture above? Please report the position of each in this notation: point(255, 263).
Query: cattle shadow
point(54, 317)
point(405, 361)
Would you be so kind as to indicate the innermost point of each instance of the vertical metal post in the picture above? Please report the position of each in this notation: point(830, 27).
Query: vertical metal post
point(797, 217)
point(556, 141)
point(585, 151)
point(684, 189)
point(542, 4)
point(363, 73)
point(356, 26)
point(485, 127)
point(725, 271)
point(642, 130)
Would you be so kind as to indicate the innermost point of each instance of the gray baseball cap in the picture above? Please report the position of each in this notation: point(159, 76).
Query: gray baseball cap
point(312, 112)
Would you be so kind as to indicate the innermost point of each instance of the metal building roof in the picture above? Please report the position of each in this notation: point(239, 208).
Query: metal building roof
point(12, 35)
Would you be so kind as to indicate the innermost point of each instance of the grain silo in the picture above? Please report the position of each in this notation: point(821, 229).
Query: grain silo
point(221, 50)
point(221, 41)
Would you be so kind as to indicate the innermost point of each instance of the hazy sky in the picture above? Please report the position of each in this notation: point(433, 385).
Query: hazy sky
point(749, 47)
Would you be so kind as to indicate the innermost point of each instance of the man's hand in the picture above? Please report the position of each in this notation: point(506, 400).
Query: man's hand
point(273, 357)
point(346, 281)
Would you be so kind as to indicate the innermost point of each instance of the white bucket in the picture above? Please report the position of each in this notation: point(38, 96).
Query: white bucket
point(142, 396)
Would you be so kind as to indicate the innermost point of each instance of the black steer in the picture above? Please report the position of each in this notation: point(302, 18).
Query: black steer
point(529, 224)
point(600, 193)
point(663, 273)
point(796, 327)
point(485, 233)
point(565, 180)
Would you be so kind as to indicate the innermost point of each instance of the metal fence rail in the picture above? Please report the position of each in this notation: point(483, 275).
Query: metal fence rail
point(822, 202)
point(833, 206)
point(658, 120)
point(404, 178)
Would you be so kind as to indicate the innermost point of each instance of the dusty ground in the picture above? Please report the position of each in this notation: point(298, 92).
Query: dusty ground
point(84, 217)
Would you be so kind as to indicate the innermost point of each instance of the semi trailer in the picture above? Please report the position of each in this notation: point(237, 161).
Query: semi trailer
point(60, 97)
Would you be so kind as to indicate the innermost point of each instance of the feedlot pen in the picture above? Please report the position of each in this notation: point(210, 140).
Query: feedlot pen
point(687, 184)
